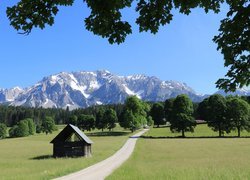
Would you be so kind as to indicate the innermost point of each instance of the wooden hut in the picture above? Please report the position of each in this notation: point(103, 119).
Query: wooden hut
point(71, 142)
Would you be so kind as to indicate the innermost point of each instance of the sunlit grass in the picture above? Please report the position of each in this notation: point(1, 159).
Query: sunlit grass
point(22, 158)
point(178, 158)
point(200, 131)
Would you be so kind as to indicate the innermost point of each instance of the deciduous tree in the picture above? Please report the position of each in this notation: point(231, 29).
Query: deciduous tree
point(100, 122)
point(168, 109)
point(215, 114)
point(86, 122)
point(157, 114)
point(182, 119)
point(48, 125)
point(3, 130)
point(238, 113)
point(111, 118)
point(134, 113)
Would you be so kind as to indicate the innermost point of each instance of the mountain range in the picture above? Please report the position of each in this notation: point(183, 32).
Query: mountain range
point(83, 89)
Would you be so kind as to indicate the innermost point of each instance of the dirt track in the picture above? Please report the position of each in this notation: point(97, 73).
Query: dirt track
point(104, 168)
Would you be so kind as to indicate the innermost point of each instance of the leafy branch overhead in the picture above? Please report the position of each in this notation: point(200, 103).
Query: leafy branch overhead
point(105, 20)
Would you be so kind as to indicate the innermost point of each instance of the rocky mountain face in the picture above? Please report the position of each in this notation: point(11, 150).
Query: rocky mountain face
point(83, 89)
point(9, 95)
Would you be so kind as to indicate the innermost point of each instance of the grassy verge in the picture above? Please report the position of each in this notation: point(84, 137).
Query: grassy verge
point(199, 158)
point(30, 157)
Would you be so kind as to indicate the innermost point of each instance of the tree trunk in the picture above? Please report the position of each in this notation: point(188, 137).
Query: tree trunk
point(238, 128)
point(219, 130)
point(183, 133)
point(102, 129)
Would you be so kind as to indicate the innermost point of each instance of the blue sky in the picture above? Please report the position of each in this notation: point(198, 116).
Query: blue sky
point(181, 51)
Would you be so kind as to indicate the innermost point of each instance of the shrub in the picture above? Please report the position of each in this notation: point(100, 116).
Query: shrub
point(3, 130)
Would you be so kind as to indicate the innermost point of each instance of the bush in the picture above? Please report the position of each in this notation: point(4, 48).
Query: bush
point(3, 130)
point(38, 128)
point(12, 131)
point(48, 125)
point(20, 130)
point(31, 126)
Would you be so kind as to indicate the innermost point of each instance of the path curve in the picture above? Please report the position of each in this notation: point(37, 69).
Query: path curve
point(104, 168)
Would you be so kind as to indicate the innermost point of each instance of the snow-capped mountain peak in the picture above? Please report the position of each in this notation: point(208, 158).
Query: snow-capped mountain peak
point(86, 88)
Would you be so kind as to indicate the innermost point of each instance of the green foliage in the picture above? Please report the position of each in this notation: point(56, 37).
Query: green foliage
point(238, 113)
point(157, 114)
point(110, 118)
point(150, 121)
point(215, 114)
point(134, 114)
point(168, 108)
point(12, 131)
point(3, 130)
point(20, 130)
point(86, 122)
point(31, 125)
point(202, 110)
point(28, 14)
point(182, 119)
point(48, 125)
point(233, 41)
point(73, 119)
point(38, 129)
point(100, 122)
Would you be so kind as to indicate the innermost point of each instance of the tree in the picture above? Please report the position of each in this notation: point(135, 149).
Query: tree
point(233, 41)
point(182, 119)
point(20, 130)
point(105, 20)
point(238, 112)
point(150, 121)
point(111, 118)
point(215, 114)
point(100, 122)
point(202, 110)
point(31, 126)
point(129, 121)
point(86, 122)
point(73, 119)
point(168, 109)
point(12, 131)
point(157, 114)
point(48, 125)
point(134, 113)
point(3, 130)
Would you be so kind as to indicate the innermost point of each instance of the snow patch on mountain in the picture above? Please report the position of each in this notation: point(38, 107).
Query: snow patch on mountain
point(83, 89)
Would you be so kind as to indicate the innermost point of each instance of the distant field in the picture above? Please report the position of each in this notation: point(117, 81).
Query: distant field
point(200, 131)
point(29, 157)
point(199, 158)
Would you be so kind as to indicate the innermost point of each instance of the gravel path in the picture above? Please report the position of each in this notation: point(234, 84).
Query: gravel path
point(104, 168)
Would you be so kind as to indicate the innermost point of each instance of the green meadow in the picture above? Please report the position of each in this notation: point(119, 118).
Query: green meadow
point(30, 157)
point(187, 158)
point(161, 155)
point(200, 131)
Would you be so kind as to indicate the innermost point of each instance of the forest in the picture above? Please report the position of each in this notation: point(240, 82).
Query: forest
point(221, 114)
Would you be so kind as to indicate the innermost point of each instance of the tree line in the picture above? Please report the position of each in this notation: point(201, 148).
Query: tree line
point(221, 114)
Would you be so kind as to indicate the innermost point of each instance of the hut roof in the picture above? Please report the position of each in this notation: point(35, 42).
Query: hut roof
point(67, 132)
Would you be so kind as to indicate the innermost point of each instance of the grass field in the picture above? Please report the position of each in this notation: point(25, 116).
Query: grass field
point(190, 158)
point(30, 157)
point(200, 131)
